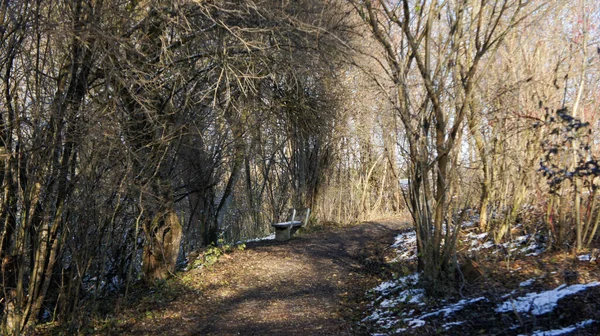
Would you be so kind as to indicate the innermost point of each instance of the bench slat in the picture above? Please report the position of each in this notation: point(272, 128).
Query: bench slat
point(291, 223)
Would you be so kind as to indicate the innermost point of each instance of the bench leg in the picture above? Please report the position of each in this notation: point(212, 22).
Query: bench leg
point(283, 234)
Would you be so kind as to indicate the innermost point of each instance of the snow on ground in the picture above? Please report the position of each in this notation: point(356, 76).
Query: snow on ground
point(530, 245)
point(477, 236)
point(584, 257)
point(447, 312)
point(449, 325)
point(392, 310)
point(390, 294)
point(403, 291)
point(562, 331)
point(587, 257)
point(269, 237)
point(406, 246)
point(541, 303)
point(468, 224)
point(387, 287)
point(453, 308)
point(527, 283)
point(476, 241)
point(485, 245)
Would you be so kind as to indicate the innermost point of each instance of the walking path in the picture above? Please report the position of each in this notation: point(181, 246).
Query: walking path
point(311, 285)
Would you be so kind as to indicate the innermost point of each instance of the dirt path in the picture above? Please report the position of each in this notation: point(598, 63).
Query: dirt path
point(310, 285)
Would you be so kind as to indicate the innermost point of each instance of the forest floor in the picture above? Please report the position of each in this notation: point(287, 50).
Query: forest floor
point(517, 287)
point(313, 284)
point(361, 280)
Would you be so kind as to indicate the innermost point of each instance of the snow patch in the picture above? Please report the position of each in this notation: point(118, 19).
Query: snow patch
point(527, 283)
point(406, 296)
point(476, 241)
point(386, 287)
point(477, 236)
point(453, 308)
point(584, 257)
point(485, 245)
point(562, 331)
point(416, 323)
point(449, 325)
point(406, 246)
point(390, 294)
point(522, 239)
point(541, 303)
point(467, 224)
point(269, 237)
point(447, 311)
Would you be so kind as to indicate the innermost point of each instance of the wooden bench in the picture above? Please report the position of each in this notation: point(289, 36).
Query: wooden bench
point(295, 220)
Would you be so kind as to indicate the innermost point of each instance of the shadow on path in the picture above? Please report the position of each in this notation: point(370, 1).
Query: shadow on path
point(310, 285)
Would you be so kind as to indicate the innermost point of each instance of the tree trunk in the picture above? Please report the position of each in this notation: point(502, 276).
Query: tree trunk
point(162, 249)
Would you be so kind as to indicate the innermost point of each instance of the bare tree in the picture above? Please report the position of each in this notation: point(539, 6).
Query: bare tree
point(435, 54)
point(105, 106)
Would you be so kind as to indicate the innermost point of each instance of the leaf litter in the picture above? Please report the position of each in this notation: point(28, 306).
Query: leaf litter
point(399, 306)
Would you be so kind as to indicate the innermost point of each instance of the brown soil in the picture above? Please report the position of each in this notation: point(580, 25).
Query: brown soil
point(313, 284)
